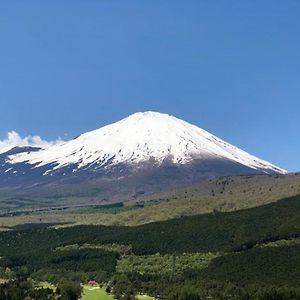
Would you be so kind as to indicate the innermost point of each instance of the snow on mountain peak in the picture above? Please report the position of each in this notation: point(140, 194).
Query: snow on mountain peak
point(138, 138)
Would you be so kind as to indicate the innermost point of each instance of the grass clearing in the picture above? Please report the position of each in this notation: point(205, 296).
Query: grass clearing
point(91, 292)
point(47, 285)
point(144, 297)
point(281, 243)
point(95, 293)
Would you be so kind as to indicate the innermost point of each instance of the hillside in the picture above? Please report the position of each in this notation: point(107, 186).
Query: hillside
point(215, 195)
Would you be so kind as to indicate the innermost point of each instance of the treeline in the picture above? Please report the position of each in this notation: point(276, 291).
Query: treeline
point(191, 287)
point(79, 265)
point(23, 288)
point(212, 232)
point(278, 266)
point(259, 273)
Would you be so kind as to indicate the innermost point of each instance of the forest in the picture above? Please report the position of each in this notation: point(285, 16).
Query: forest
point(246, 254)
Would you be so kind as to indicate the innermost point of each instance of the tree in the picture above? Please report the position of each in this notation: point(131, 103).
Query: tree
point(69, 290)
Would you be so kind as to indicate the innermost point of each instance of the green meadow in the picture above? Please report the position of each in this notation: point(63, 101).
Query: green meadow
point(98, 293)
point(95, 293)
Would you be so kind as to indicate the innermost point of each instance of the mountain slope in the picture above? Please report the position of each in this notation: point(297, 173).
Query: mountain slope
point(143, 153)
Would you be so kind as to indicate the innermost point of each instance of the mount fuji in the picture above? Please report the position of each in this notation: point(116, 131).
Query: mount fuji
point(151, 150)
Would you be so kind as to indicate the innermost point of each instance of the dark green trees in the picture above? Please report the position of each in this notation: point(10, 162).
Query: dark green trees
point(69, 290)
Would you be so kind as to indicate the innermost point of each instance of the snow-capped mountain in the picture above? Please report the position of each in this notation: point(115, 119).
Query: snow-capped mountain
point(140, 138)
point(165, 145)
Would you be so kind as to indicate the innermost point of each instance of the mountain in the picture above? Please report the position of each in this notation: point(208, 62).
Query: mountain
point(150, 150)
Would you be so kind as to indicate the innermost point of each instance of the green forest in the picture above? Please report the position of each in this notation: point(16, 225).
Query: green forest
point(246, 254)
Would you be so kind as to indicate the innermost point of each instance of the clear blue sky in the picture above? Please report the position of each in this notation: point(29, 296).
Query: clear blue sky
point(230, 67)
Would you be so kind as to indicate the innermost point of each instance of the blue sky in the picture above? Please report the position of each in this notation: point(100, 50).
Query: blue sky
point(230, 67)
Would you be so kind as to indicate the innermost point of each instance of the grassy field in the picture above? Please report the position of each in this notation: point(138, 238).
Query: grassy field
point(95, 293)
point(89, 292)
point(144, 297)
